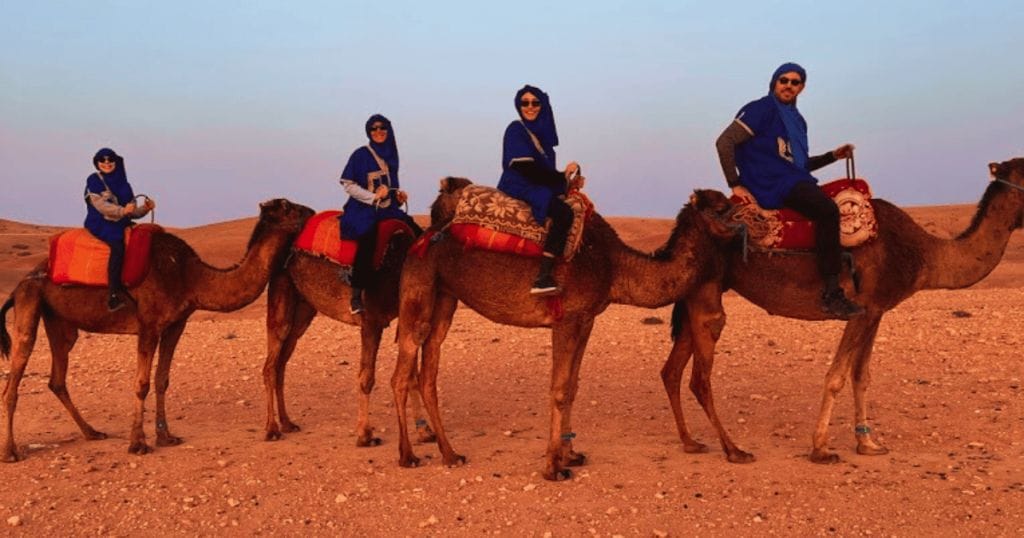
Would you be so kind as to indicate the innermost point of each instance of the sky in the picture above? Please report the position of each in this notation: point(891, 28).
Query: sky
point(216, 106)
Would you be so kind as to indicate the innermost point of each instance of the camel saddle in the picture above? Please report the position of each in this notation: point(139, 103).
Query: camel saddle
point(78, 257)
point(786, 229)
point(321, 236)
point(489, 219)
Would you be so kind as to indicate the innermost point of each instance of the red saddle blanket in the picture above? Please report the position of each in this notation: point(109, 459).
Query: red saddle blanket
point(786, 229)
point(322, 236)
point(78, 257)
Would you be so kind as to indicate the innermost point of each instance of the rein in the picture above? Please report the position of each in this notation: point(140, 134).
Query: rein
point(1014, 185)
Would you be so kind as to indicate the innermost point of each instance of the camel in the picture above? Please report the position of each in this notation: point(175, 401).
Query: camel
point(902, 260)
point(497, 285)
point(308, 284)
point(178, 284)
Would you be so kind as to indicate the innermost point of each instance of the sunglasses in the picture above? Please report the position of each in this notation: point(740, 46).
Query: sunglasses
point(790, 81)
point(106, 160)
point(378, 128)
point(527, 103)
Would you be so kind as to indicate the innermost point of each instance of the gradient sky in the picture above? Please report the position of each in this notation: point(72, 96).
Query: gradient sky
point(217, 106)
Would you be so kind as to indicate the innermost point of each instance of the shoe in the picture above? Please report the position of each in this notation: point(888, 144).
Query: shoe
point(834, 302)
point(115, 302)
point(544, 285)
point(356, 303)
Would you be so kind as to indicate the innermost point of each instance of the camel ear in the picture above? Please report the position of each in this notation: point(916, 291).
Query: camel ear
point(993, 169)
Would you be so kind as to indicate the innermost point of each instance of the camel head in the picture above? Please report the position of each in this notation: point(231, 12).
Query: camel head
point(714, 209)
point(1012, 173)
point(442, 211)
point(282, 215)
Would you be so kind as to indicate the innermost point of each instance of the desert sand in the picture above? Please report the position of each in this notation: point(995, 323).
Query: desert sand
point(946, 399)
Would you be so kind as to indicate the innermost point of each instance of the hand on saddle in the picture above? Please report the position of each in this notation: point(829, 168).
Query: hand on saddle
point(401, 196)
point(743, 194)
point(150, 204)
point(571, 170)
point(843, 152)
point(381, 193)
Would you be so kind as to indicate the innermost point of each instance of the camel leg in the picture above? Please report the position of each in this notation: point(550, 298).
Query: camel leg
point(147, 347)
point(370, 334)
point(26, 325)
point(423, 432)
point(569, 341)
point(417, 302)
point(707, 320)
point(62, 336)
point(281, 298)
point(301, 319)
point(441, 321)
point(861, 377)
point(672, 378)
point(168, 343)
point(853, 338)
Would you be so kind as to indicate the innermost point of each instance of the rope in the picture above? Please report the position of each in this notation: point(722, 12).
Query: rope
point(152, 213)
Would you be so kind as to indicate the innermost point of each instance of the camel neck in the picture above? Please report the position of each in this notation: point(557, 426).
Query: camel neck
point(656, 279)
point(970, 257)
point(224, 290)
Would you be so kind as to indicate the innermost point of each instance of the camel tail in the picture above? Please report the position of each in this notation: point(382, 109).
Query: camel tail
point(5, 339)
point(678, 317)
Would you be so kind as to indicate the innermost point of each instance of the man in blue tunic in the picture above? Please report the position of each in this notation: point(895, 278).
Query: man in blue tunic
point(767, 142)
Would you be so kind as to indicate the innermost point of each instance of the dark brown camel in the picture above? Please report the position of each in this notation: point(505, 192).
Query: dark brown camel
point(496, 285)
point(903, 259)
point(178, 284)
point(308, 284)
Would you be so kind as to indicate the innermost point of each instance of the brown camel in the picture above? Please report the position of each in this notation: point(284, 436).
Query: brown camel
point(903, 259)
point(496, 285)
point(178, 284)
point(308, 284)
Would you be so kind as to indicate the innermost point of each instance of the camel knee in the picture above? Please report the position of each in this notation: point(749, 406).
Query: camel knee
point(142, 391)
point(835, 384)
point(366, 384)
point(715, 325)
point(57, 389)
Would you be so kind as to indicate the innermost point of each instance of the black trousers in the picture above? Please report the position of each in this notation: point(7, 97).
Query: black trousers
point(114, 264)
point(561, 221)
point(362, 266)
point(814, 204)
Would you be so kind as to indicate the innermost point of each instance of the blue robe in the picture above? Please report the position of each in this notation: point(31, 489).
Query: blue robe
point(360, 217)
point(107, 230)
point(518, 144)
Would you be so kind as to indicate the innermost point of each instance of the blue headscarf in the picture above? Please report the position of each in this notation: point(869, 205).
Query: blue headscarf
point(117, 181)
point(388, 150)
point(796, 127)
point(544, 126)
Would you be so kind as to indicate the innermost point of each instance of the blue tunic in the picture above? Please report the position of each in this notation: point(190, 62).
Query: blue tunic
point(360, 217)
point(766, 162)
point(518, 145)
point(108, 230)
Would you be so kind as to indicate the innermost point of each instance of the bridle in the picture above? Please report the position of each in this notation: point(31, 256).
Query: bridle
point(1014, 185)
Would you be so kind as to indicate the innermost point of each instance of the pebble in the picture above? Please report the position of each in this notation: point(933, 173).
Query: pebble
point(340, 498)
point(232, 502)
point(432, 520)
point(660, 533)
point(14, 521)
point(529, 487)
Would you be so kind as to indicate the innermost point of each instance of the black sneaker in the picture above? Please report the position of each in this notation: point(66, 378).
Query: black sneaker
point(115, 302)
point(835, 303)
point(356, 303)
point(544, 285)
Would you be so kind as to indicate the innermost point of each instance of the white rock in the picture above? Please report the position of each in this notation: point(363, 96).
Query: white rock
point(14, 521)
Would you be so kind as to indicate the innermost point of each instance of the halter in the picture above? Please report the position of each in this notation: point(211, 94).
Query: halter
point(1014, 185)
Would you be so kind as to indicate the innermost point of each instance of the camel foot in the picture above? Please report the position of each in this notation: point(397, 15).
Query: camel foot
point(272, 435)
point(455, 460)
point(574, 459)
point(409, 461)
point(559, 475)
point(288, 426)
point(368, 441)
point(10, 456)
point(93, 435)
point(822, 456)
point(739, 456)
point(139, 447)
point(166, 439)
point(693, 447)
point(871, 450)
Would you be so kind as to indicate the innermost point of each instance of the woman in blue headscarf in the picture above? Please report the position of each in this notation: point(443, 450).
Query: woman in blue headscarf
point(110, 208)
point(370, 179)
point(529, 174)
point(767, 142)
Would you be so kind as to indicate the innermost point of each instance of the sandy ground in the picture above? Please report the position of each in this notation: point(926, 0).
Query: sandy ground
point(946, 399)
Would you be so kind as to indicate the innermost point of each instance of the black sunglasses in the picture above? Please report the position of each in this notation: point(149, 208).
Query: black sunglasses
point(378, 128)
point(526, 103)
point(790, 81)
point(106, 159)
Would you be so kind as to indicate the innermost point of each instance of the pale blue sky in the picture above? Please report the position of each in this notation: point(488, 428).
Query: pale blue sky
point(219, 105)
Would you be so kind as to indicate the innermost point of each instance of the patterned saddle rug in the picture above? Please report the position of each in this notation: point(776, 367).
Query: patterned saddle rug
point(321, 236)
point(78, 257)
point(489, 219)
point(786, 229)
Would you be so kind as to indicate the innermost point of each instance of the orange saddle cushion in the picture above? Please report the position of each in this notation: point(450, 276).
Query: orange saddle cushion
point(322, 236)
point(78, 257)
point(787, 229)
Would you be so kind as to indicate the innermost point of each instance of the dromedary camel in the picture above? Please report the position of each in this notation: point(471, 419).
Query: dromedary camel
point(308, 284)
point(178, 284)
point(903, 259)
point(497, 285)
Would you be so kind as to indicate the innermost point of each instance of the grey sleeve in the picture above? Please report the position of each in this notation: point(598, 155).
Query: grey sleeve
point(108, 209)
point(354, 190)
point(733, 135)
